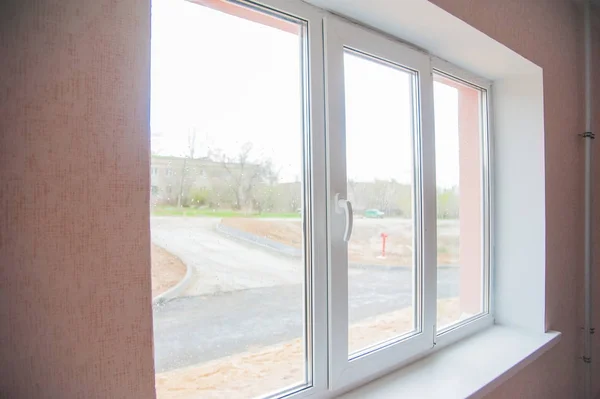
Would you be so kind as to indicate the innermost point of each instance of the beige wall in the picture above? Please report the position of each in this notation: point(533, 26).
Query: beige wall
point(548, 32)
point(596, 201)
point(74, 237)
point(75, 313)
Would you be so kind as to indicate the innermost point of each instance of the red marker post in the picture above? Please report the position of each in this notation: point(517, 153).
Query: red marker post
point(383, 238)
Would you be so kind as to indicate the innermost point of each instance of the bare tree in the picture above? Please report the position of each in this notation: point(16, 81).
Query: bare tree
point(191, 150)
point(241, 178)
point(244, 176)
point(267, 192)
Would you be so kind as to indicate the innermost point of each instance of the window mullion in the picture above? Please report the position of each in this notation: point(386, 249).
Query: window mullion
point(426, 148)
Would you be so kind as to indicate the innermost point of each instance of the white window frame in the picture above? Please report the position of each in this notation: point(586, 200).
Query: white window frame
point(326, 301)
point(340, 34)
point(314, 189)
point(467, 327)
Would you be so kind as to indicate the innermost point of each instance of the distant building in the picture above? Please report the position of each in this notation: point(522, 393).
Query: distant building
point(203, 181)
point(172, 177)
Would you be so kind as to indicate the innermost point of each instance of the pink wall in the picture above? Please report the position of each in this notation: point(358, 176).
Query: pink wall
point(596, 199)
point(74, 234)
point(75, 314)
point(548, 32)
point(470, 200)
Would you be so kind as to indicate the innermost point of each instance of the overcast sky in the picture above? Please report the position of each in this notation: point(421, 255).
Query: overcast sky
point(234, 81)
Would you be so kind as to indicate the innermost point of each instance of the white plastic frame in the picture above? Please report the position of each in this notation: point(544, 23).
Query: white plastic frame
point(314, 193)
point(460, 330)
point(324, 170)
point(341, 35)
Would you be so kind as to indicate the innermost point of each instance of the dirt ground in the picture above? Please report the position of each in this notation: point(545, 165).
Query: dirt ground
point(263, 370)
point(167, 270)
point(365, 247)
point(285, 231)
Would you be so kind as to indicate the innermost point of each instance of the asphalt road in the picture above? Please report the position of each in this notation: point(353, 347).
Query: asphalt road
point(244, 296)
point(221, 264)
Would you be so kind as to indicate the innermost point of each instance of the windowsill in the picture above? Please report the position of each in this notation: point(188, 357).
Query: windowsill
point(470, 368)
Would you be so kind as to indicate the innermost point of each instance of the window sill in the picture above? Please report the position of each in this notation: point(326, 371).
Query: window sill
point(470, 368)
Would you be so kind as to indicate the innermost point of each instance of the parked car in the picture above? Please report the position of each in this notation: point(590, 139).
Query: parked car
point(374, 214)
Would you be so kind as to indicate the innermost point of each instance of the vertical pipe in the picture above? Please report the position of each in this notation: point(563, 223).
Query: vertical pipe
point(587, 344)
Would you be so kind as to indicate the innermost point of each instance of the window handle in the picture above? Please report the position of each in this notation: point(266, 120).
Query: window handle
point(343, 205)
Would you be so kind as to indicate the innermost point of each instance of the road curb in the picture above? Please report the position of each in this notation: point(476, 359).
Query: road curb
point(253, 239)
point(177, 289)
point(297, 253)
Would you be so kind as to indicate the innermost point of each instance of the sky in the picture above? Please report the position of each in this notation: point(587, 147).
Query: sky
point(233, 81)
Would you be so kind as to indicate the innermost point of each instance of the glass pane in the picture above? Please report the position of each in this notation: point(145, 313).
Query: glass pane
point(459, 201)
point(379, 157)
point(228, 263)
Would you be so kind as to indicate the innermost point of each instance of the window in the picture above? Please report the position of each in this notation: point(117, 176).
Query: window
point(462, 200)
point(237, 265)
point(154, 171)
point(377, 109)
point(344, 226)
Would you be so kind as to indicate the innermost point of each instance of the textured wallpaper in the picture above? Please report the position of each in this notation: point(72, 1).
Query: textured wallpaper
point(549, 33)
point(75, 315)
point(75, 308)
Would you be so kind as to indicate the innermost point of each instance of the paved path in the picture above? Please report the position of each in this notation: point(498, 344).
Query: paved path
point(244, 296)
point(191, 330)
point(219, 263)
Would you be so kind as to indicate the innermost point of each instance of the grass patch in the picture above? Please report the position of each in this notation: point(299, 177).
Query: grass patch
point(218, 213)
